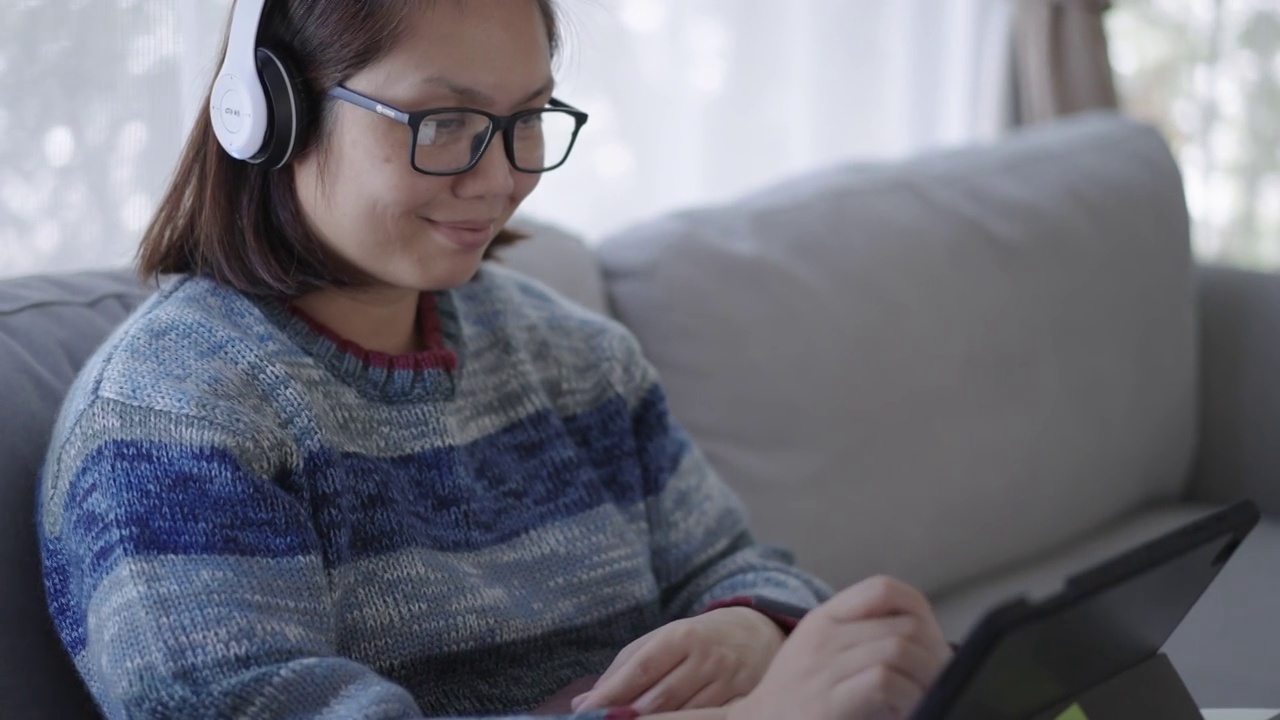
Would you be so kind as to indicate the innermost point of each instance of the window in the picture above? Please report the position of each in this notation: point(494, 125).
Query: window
point(91, 121)
point(1207, 72)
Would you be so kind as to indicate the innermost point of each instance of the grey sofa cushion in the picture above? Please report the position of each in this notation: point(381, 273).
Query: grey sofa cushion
point(560, 260)
point(48, 327)
point(1226, 647)
point(936, 368)
point(1240, 387)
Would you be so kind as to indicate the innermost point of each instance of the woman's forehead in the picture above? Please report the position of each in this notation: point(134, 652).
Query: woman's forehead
point(495, 51)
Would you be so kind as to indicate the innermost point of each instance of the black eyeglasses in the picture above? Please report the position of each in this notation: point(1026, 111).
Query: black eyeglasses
point(450, 141)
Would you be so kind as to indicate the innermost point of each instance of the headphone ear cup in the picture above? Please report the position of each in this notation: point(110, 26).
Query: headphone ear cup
point(286, 114)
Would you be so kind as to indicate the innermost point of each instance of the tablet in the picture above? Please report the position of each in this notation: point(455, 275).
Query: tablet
point(1026, 658)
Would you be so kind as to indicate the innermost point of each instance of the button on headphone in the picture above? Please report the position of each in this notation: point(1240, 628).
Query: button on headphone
point(232, 112)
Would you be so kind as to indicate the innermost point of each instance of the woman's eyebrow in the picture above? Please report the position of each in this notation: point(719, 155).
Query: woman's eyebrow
point(480, 97)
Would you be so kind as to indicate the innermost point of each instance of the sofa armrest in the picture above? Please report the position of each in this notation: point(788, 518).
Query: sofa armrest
point(1239, 453)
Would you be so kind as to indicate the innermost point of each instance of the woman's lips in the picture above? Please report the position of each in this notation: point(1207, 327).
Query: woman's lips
point(467, 234)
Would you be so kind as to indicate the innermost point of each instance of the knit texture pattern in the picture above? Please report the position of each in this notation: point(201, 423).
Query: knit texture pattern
point(244, 516)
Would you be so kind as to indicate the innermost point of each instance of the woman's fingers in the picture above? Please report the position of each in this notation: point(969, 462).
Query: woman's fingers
point(889, 674)
point(635, 675)
point(878, 596)
point(904, 656)
point(677, 690)
point(715, 694)
point(884, 597)
point(625, 656)
point(869, 631)
point(878, 692)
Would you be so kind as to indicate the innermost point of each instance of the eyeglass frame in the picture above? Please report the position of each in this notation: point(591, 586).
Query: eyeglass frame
point(498, 124)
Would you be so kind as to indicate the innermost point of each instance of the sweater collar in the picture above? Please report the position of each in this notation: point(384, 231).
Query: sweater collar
point(426, 375)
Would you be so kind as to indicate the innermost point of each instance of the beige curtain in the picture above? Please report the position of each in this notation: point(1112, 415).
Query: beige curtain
point(1062, 62)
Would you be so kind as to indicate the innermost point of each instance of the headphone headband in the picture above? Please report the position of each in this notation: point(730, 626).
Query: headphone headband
point(243, 41)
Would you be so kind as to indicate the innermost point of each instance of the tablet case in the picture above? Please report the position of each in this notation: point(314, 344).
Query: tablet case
point(1094, 647)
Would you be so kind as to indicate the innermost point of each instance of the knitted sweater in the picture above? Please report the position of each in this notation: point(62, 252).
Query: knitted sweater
point(243, 515)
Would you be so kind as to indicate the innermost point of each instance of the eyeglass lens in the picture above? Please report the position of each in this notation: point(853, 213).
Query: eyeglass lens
point(450, 141)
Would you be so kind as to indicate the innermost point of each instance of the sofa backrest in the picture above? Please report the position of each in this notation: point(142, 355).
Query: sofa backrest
point(936, 368)
point(49, 326)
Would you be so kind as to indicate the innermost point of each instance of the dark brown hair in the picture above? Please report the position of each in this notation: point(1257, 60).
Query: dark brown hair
point(242, 224)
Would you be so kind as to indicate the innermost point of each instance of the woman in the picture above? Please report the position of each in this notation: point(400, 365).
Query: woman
point(339, 469)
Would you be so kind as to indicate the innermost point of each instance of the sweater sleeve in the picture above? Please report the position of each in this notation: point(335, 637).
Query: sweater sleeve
point(186, 580)
point(704, 555)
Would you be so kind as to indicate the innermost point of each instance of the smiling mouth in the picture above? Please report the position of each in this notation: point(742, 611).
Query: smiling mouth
point(476, 225)
point(467, 235)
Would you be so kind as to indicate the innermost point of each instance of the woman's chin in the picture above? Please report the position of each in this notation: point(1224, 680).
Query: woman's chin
point(450, 271)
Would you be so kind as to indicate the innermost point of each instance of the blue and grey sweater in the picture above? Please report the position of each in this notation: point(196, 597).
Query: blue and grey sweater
point(245, 516)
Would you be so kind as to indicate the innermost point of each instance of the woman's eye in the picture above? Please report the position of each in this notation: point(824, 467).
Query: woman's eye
point(437, 129)
point(443, 126)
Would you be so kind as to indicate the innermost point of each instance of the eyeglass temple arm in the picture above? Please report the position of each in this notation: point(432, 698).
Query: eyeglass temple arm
point(562, 105)
point(369, 104)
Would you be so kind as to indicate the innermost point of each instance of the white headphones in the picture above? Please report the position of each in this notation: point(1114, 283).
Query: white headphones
point(255, 106)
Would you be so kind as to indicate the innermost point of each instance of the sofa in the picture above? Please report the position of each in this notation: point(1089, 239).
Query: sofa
point(979, 371)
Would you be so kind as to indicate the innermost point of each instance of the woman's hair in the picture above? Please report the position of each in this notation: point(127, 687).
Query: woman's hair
point(242, 224)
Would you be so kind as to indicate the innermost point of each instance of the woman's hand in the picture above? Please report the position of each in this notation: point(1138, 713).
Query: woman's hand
point(700, 662)
point(869, 653)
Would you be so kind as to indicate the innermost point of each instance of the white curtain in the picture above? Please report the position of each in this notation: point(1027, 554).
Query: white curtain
point(696, 101)
point(692, 101)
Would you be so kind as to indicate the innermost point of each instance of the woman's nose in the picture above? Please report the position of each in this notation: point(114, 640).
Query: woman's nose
point(492, 175)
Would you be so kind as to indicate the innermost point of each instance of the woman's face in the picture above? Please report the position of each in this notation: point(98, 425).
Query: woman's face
point(360, 195)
